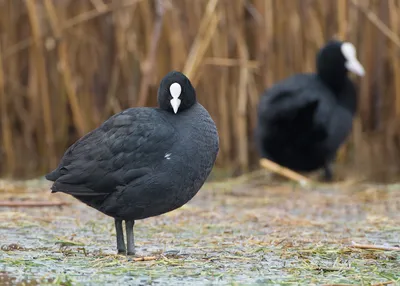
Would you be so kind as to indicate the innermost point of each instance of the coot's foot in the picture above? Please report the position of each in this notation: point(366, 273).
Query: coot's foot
point(120, 237)
point(129, 237)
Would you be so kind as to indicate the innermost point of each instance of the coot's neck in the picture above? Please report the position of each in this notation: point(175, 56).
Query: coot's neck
point(335, 78)
point(341, 85)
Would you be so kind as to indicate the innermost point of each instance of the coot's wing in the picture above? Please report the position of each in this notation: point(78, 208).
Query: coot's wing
point(127, 146)
point(289, 99)
point(287, 109)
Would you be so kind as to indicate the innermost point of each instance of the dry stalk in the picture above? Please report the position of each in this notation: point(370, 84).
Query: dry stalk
point(384, 29)
point(30, 204)
point(43, 81)
point(111, 54)
point(6, 128)
point(65, 68)
point(374, 247)
point(206, 30)
point(148, 64)
point(81, 18)
point(272, 166)
point(145, 258)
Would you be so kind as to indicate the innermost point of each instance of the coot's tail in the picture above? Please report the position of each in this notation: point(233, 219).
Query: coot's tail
point(53, 176)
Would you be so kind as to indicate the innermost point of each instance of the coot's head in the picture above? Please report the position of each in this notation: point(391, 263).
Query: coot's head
point(176, 92)
point(335, 59)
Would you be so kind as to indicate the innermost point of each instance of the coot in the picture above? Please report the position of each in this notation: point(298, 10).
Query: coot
point(144, 161)
point(304, 119)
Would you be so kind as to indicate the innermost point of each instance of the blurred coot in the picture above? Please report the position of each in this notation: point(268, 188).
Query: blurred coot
point(304, 119)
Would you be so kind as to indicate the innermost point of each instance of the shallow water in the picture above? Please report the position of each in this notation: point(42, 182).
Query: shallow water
point(230, 233)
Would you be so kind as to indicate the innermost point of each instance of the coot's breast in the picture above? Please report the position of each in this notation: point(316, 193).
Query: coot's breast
point(193, 158)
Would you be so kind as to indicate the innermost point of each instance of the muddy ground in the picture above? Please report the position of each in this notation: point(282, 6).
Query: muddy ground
point(237, 232)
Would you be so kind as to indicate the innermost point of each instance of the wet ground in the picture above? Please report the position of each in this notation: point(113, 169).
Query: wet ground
point(236, 232)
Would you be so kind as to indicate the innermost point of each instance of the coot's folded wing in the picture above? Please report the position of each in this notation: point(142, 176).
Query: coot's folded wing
point(287, 111)
point(289, 100)
point(127, 146)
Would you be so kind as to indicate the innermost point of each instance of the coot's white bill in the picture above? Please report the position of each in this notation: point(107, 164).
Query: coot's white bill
point(175, 102)
point(352, 64)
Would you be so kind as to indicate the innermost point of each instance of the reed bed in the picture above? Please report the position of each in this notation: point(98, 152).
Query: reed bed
point(65, 66)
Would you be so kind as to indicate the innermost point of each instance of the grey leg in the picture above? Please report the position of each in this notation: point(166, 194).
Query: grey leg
point(120, 236)
point(328, 174)
point(130, 241)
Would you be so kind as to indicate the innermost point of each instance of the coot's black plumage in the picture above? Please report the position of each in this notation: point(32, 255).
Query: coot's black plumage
point(142, 162)
point(303, 120)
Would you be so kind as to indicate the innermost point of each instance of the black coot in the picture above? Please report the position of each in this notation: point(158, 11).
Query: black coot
point(303, 120)
point(142, 162)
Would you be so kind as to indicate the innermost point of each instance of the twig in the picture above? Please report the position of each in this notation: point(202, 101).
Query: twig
point(31, 204)
point(331, 269)
point(337, 285)
point(145, 258)
point(377, 284)
point(383, 283)
point(376, 247)
point(268, 164)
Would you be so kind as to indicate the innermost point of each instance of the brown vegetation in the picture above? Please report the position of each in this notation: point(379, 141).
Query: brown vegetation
point(65, 66)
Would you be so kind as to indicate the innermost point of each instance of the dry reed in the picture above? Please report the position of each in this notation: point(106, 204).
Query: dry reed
point(65, 66)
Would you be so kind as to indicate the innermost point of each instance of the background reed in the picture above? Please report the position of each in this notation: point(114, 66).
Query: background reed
point(65, 66)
